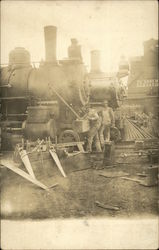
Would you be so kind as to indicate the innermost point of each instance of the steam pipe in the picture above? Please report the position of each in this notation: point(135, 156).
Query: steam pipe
point(50, 43)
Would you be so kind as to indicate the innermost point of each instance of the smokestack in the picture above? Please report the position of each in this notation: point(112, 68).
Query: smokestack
point(50, 43)
point(95, 61)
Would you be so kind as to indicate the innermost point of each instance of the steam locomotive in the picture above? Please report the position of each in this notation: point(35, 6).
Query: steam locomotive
point(51, 100)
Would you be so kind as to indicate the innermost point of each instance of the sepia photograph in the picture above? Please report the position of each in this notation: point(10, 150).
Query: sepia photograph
point(79, 124)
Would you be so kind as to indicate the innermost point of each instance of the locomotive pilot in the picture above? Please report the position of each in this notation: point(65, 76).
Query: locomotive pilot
point(93, 135)
point(108, 121)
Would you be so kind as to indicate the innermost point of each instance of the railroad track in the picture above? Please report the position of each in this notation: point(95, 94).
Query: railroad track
point(133, 132)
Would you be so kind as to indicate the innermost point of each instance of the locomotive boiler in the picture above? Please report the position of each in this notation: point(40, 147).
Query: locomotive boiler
point(48, 101)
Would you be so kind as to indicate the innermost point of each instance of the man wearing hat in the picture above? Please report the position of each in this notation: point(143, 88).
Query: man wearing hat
point(95, 123)
point(107, 122)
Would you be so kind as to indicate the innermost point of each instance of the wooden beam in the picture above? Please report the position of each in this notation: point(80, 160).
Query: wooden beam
point(26, 162)
point(56, 159)
point(131, 179)
point(67, 144)
point(23, 174)
point(13, 98)
point(17, 114)
point(105, 206)
point(80, 147)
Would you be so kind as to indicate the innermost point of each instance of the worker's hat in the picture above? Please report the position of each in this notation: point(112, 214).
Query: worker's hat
point(92, 115)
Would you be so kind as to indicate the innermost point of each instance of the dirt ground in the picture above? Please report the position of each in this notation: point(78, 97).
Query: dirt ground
point(77, 194)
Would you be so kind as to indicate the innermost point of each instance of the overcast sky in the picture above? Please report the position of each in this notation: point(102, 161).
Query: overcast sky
point(114, 27)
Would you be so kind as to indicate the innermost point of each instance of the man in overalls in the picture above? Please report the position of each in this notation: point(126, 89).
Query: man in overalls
point(107, 122)
point(95, 123)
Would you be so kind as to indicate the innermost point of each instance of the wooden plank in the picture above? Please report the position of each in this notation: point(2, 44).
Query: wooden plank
point(131, 179)
point(67, 144)
point(6, 85)
point(13, 98)
point(113, 174)
point(72, 154)
point(80, 147)
point(56, 159)
point(82, 169)
point(47, 102)
point(142, 175)
point(17, 115)
point(99, 204)
point(54, 185)
point(26, 162)
point(23, 174)
point(9, 122)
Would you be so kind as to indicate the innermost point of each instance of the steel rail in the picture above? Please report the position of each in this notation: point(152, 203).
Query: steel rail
point(141, 130)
